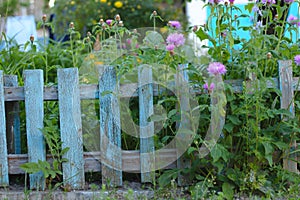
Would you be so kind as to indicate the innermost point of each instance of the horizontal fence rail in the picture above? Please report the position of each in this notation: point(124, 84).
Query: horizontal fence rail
point(69, 94)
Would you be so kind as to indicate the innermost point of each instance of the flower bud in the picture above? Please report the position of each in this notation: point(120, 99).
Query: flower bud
point(101, 21)
point(120, 23)
point(117, 17)
point(223, 34)
point(154, 13)
point(269, 55)
point(44, 18)
point(31, 38)
point(276, 17)
point(195, 28)
point(226, 3)
point(71, 25)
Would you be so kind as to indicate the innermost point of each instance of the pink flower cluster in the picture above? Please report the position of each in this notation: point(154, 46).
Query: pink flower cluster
point(297, 60)
point(214, 1)
point(210, 88)
point(175, 40)
point(270, 2)
point(215, 68)
point(293, 20)
point(174, 24)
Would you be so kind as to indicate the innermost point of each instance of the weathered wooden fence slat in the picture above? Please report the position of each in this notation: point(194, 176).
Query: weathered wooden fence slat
point(182, 92)
point(34, 108)
point(110, 127)
point(4, 181)
point(287, 102)
point(91, 91)
point(92, 161)
point(145, 91)
point(12, 118)
point(71, 127)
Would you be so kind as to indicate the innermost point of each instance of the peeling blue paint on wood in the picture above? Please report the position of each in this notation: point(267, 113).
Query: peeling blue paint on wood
point(145, 91)
point(71, 127)
point(4, 180)
point(34, 108)
point(12, 118)
point(110, 127)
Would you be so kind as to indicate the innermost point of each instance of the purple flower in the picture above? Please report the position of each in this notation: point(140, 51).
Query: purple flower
point(268, 1)
point(210, 88)
point(297, 60)
point(214, 1)
point(292, 19)
point(256, 9)
point(258, 26)
point(170, 47)
point(128, 41)
point(215, 68)
point(174, 24)
point(288, 1)
point(231, 1)
point(109, 22)
point(177, 39)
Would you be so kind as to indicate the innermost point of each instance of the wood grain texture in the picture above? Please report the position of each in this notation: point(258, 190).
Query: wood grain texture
point(12, 118)
point(92, 161)
point(110, 130)
point(71, 127)
point(4, 180)
point(34, 108)
point(145, 91)
point(286, 87)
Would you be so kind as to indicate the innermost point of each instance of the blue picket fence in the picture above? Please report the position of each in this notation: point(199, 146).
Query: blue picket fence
point(69, 93)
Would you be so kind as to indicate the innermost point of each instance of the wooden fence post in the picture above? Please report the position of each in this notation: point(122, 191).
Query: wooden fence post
point(71, 127)
point(34, 108)
point(3, 145)
point(182, 90)
point(12, 118)
point(145, 92)
point(110, 127)
point(287, 91)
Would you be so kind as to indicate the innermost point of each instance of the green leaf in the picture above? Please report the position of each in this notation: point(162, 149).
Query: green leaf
point(219, 151)
point(202, 35)
point(191, 150)
point(227, 189)
point(172, 112)
point(158, 118)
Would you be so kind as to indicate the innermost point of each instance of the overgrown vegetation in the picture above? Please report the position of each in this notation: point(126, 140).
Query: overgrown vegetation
point(247, 159)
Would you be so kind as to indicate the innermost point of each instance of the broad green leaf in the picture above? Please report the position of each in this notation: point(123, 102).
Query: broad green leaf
point(227, 189)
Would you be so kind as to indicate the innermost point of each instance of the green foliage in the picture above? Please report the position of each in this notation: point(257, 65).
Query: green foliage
point(86, 14)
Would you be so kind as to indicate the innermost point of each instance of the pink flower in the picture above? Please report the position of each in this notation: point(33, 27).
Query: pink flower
point(292, 19)
point(177, 39)
point(210, 88)
point(170, 47)
point(174, 24)
point(214, 1)
point(109, 22)
point(288, 1)
point(215, 68)
point(268, 1)
point(297, 60)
